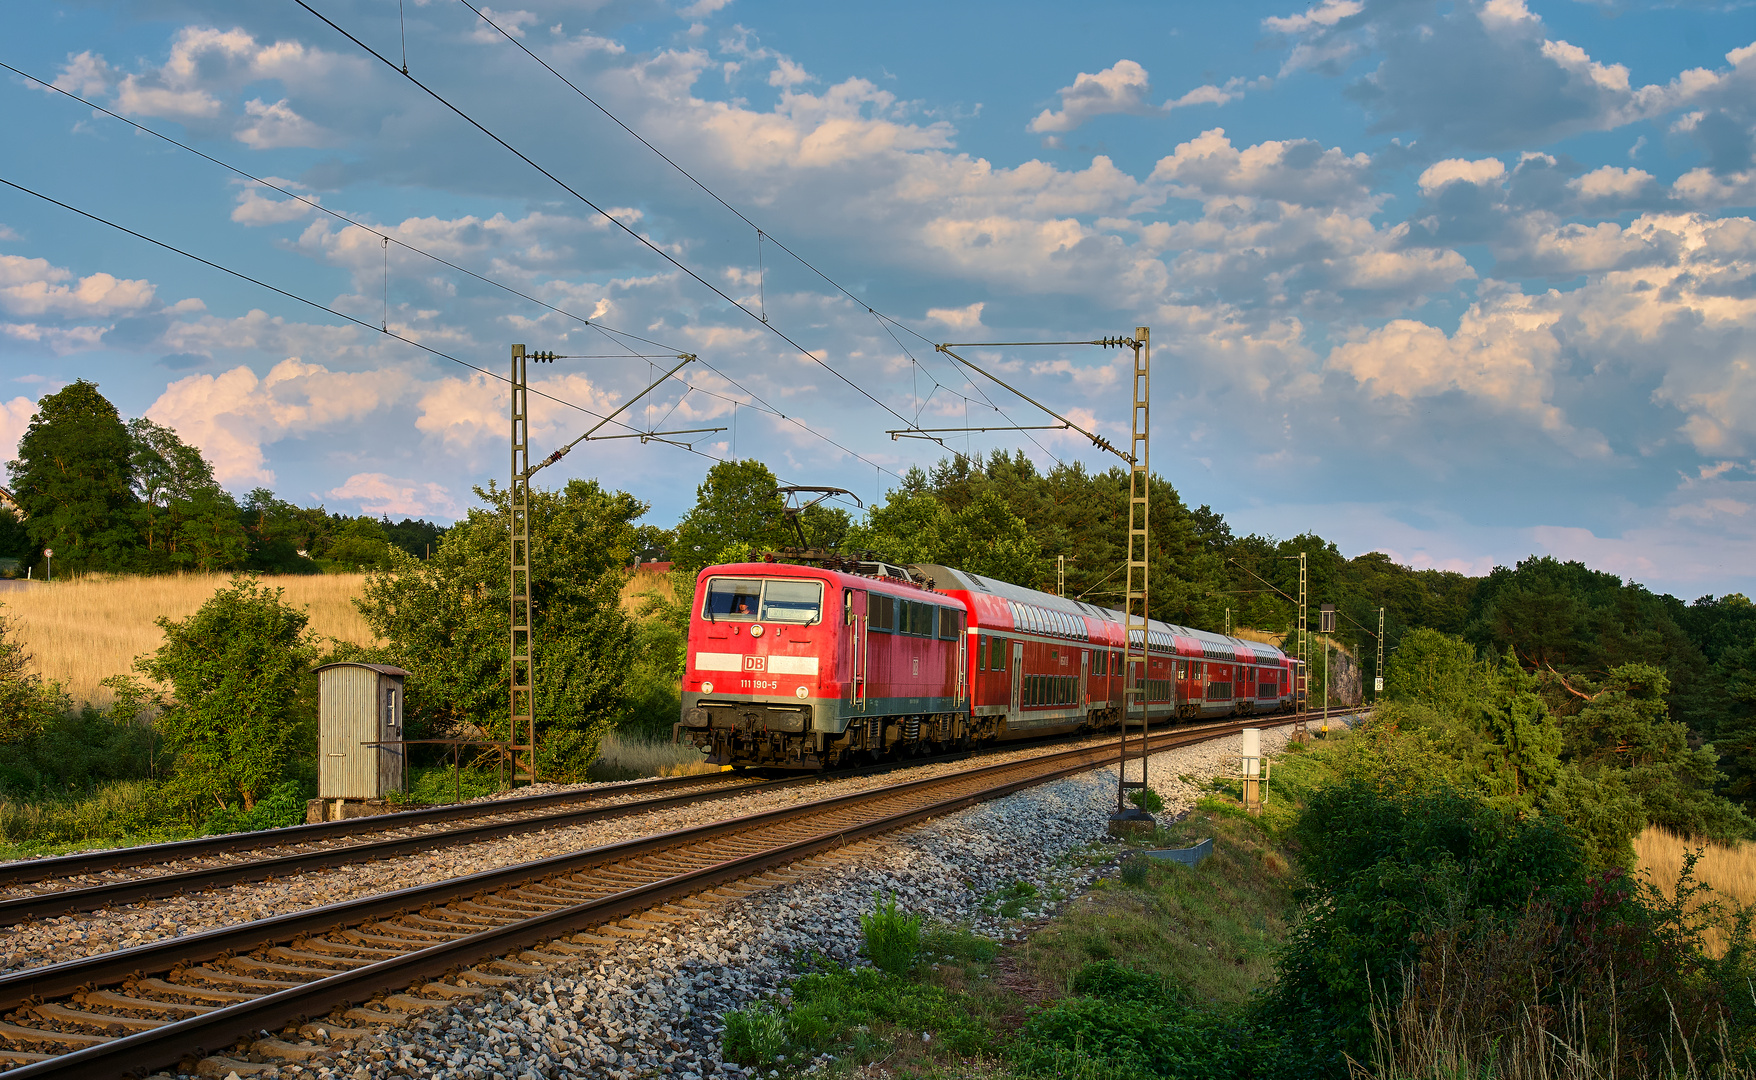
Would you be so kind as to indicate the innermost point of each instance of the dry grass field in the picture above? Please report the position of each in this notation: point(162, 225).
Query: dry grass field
point(1731, 871)
point(83, 631)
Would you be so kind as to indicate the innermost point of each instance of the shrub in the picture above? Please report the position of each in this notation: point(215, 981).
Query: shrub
point(755, 1035)
point(243, 705)
point(1123, 1024)
point(892, 938)
point(1147, 799)
point(283, 806)
point(1135, 870)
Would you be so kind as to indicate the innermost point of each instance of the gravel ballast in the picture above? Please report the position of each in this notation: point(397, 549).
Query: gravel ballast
point(651, 1007)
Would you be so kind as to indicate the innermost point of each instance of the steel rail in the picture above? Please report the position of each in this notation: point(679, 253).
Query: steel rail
point(31, 870)
point(55, 980)
point(133, 890)
point(216, 1029)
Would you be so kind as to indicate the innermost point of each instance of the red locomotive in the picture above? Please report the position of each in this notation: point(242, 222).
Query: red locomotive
point(802, 667)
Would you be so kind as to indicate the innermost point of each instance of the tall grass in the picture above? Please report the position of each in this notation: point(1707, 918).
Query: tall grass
point(84, 630)
point(1728, 869)
point(623, 757)
point(123, 811)
point(1441, 1041)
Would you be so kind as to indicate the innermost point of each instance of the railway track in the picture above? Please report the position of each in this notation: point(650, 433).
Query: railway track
point(153, 871)
point(96, 880)
point(384, 959)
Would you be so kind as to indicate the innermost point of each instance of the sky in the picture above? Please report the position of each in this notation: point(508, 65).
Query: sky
point(1461, 282)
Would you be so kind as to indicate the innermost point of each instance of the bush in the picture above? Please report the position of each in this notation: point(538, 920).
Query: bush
point(1135, 870)
point(892, 938)
point(283, 806)
point(243, 709)
point(1147, 799)
point(1123, 1024)
point(832, 1008)
point(755, 1035)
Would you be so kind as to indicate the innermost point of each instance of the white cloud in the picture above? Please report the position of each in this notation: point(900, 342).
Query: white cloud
point(701, 9)
point(257, 208)
point(1326, 14)
point(1704, 189)
point(1294, 171)
point(1608, 182)
point(233, 415)
point(32, 287)
point(1123, 87)
point(463, 414)
point(968, 317)
point(513, 22)
point(15, 417)
point(788, 73)
point(377, 493)
point(87, 75)
point(207, 67)
point(1482, 173)
point(1504, 352)
point(277, 126)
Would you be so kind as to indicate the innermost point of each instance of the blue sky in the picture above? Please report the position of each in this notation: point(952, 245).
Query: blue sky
point(1460, 282)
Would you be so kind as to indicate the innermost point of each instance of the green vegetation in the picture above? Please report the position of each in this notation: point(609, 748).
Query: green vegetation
point(243, 710)
point(109, 496)
point(1380, 911)
point(444, 619)
point(892, 938)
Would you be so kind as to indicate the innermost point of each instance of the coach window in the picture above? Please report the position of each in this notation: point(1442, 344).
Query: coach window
point(997, 658)
point(792, 601)
point(981, 652)
point(948, 620)
point(881, 613)
point(734, 598)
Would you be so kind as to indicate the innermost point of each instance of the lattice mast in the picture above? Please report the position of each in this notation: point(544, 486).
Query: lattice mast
point(1135, 594)
point(1378, 669)
point(521, 683)
point(1304, 686)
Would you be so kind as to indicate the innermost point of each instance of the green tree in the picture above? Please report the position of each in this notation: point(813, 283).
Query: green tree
point(356, 544)
point(242, 706)
point(15, 542)
point(73, 480)
point(184, 519)
point(1625, 731)
point(444, 619)
point(737, 505)
point(1436, 670)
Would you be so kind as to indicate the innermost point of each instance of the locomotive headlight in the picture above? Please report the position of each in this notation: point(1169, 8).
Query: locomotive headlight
point(707, 688)
point(755, 629)
point(801, 691)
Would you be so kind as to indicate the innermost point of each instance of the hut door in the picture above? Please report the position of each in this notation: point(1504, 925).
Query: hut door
point(391, 758)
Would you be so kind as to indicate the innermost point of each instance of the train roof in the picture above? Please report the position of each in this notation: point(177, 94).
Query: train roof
point(1213, 646)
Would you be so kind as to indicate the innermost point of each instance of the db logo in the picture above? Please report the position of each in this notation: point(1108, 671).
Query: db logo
point(755, 663)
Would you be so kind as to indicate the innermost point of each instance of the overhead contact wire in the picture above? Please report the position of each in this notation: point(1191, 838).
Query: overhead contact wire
point(602, 328)
point(648, 244)
point(240, 275)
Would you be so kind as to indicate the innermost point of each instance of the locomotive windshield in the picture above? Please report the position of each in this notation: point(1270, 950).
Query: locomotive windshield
point(786, 601)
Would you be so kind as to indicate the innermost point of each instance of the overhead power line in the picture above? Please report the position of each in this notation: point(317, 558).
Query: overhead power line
point(606, 215)
point(240, 275)
point(884, 321)
point(611, 333)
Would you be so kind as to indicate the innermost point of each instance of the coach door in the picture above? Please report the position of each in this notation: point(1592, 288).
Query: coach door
point(1017, 673)
point(857, 648)
point(1084, 697)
